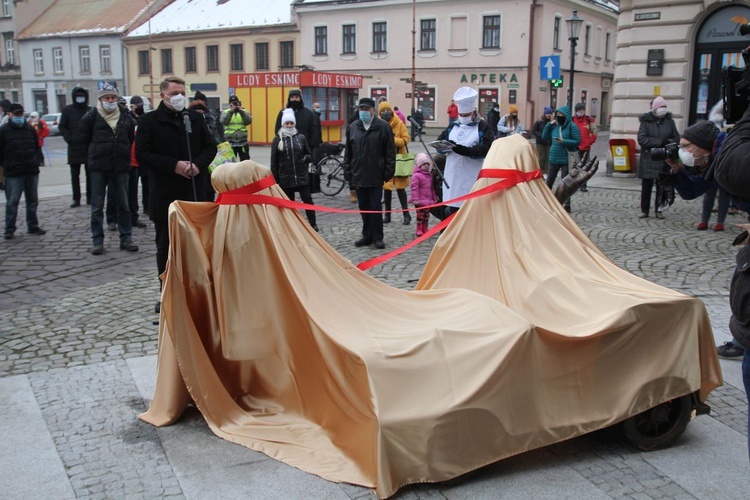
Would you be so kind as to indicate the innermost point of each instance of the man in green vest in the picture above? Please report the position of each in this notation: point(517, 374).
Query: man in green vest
point(235, 121)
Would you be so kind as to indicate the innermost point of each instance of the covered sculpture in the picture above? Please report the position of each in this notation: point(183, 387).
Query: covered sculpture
point(282, 345)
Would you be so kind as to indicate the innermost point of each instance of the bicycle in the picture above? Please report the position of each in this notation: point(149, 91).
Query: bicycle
point(331, 168)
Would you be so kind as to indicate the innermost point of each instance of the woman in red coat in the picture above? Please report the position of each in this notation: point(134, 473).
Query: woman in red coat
point(42, 131)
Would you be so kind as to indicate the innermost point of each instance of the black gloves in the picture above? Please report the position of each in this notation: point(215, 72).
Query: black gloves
point(462, 150)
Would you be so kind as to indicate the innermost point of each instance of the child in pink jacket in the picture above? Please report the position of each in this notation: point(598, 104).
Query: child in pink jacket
point(422, 192)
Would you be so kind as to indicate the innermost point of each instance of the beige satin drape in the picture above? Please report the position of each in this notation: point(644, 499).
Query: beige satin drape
point(282, 345)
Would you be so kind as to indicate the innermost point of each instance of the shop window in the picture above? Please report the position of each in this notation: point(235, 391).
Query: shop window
point(329, 100)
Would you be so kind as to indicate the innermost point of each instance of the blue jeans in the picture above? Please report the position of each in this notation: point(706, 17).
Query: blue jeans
point(14, 187)
point(119, 190)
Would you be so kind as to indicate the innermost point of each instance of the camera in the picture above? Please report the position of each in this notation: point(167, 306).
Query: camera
point(668, 152)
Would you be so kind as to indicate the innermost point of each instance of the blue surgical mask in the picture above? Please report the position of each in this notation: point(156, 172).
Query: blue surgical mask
point(18, 120)
point(80, 99)
point(365, 116)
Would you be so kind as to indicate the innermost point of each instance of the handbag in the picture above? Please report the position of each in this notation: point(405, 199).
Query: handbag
point(404, 164)
point(224, 154)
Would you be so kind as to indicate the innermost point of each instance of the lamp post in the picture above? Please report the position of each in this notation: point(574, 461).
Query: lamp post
point(574, 28)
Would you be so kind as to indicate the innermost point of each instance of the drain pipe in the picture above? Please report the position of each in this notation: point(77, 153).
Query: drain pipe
point(531, 104)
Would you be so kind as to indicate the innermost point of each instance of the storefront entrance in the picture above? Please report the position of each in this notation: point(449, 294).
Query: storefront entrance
point(718, 46)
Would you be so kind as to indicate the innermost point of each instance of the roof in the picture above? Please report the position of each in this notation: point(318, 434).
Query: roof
point(201, 15)
point(85, 17)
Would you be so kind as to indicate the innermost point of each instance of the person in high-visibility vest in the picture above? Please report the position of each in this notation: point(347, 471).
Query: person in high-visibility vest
point(235, 121)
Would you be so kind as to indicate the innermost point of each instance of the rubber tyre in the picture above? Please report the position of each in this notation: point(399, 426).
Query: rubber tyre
point(331, 176)
point(660, 426)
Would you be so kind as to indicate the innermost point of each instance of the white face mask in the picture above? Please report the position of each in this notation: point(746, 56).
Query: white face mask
point(464, 120)
point(579, 114)
point(177, 102)
point(660, 112)
point(688, 159)
point(109, 106)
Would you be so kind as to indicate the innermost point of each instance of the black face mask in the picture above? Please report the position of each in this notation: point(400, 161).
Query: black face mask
point(295, 104)
point(386, 116)
point(560, 120)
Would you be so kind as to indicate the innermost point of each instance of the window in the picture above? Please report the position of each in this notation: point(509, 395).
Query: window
point(427, 39)
point(212, 57)
point(321, 40)
point(236, 57)
point(350, 39)
point(84, 58)
point(459, 34)
point(379, 37)
point(104, 59)
point(166, 60)
point(287, 54)
point(261, 56)
point(57, 60)
point(143, 63)
point(607, 44)
point(587, 41)
point(6, 9)
point(491, 32)
point(556, 34)
point(14, 98)
point(190, 60)
point(38, 62)
point(10, 51)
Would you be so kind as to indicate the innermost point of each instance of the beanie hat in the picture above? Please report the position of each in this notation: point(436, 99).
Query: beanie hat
point(136, 100)
point(366, 101)
point(547, 110)
point(513, 109)
point(702, 134)
point(295, 92)
point(34, 115)
point(234, 99)
point(421, 159)
point(106, 90)
point(659, 102)
point(199, 96)
point(287, 115)
point(15, 108)
point(580, 107)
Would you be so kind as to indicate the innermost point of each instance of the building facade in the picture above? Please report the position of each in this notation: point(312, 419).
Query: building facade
point(15, 15)
point(494, 46)
point(677, 50)
point(75, 43)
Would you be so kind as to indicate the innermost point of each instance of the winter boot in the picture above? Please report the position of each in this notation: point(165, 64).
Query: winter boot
point(420, 230)
point(404, 205)
point(387, 194)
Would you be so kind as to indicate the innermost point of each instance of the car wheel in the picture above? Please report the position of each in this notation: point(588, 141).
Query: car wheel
point(660, 426)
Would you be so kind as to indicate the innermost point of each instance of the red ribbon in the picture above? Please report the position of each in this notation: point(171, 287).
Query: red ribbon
point(246, 196)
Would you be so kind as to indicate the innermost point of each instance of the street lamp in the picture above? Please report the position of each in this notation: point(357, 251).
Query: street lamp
point(574, 28)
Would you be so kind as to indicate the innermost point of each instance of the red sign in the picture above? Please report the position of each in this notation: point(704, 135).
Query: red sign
point(302, 79)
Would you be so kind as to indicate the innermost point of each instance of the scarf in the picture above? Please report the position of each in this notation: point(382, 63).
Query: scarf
point(285, 132)
point(111, 118)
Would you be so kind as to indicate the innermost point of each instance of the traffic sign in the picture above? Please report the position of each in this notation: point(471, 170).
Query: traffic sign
point(549, 67)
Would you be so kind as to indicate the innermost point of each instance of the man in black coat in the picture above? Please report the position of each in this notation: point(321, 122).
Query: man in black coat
point(369, 161)
point(308, 123)
point(493, 117)
point(161, 146)
point(108, 131)
point(70, 128)
point(19, 150)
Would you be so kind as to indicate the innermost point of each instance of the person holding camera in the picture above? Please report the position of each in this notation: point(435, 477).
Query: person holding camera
point(657, 129)
point(235, 121)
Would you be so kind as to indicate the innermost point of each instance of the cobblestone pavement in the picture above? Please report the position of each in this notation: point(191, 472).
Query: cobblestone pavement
point(76, 327)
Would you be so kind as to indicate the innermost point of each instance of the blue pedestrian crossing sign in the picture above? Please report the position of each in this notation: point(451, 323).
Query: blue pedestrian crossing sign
point(549, 67)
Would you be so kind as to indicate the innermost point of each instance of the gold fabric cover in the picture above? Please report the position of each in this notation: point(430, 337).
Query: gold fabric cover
point(283, 346)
